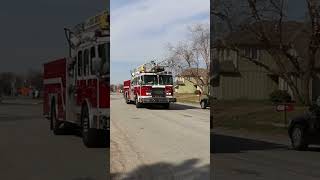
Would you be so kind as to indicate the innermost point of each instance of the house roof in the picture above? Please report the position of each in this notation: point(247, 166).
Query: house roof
point(246, 34)
point(297, 34)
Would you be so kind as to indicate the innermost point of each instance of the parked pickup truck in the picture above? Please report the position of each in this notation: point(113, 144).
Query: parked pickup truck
point(305, 129)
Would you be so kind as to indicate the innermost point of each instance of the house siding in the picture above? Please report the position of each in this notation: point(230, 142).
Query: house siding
point(187, 87)
point(249, 85)
point(314, 87)
point(252, 82)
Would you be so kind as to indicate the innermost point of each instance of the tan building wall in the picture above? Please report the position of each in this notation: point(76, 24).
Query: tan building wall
point(249, 85)
point(251, 82)
point(187, 87)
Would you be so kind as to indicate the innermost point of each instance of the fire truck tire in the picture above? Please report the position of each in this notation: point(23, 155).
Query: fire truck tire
point(127, 100)
point(54, 122)
point(138, 104)
point(92, 138)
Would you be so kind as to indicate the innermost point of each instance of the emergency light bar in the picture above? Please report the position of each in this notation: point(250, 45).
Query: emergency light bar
point(100, 20)
point(97, 22)
point(151, 67)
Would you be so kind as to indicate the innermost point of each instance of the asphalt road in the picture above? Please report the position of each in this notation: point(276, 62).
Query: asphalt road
point(154, 143)
point(243, 156)
point(29, 151)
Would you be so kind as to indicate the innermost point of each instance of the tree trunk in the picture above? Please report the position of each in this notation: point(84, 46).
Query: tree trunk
point(295, 90)
point(301, 93)
point(305, 88)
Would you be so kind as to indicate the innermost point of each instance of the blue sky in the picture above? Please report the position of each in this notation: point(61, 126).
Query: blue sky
point(142, 29)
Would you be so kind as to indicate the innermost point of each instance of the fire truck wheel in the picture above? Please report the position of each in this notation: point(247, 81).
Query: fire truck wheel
point(54, 123)
point(85, 126)
point(127, 100)
point(138, 105)
point(92, 137)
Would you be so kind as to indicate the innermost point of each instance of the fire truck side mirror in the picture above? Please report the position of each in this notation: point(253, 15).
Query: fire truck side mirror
point(140, 81)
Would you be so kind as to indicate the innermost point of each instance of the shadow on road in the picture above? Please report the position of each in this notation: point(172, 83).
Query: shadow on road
point(71, 130)
point(230, 144)
point(163, 171)
point(314, 149)
point(172, 107)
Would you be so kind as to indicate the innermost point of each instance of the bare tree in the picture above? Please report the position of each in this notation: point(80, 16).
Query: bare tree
point(6, 82)
point(192, 56)
point(267, 21)
point(35, 78)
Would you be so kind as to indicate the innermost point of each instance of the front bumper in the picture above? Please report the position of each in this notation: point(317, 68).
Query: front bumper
point(157, 100)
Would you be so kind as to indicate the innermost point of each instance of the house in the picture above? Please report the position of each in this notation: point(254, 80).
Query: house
point(243, 79)
point(189, 81)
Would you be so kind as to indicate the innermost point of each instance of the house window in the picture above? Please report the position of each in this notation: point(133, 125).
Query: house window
point(228, 54)
point(181, 79)
point(254, 53)
point(247, 52)
point(251, 53)
point(220, 55)
point(235, 60)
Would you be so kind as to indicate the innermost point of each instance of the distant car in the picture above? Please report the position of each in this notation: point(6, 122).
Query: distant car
point(305, 129)
point(204, 101)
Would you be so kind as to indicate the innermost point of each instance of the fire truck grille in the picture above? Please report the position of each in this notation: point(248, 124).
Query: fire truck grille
point(158, 92)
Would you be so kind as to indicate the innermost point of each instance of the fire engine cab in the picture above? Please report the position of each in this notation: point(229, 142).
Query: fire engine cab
point(150, 83)
point(76, 88)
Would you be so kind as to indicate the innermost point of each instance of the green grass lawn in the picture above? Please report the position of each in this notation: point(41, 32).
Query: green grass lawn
point(187, 98)
point(255, 116)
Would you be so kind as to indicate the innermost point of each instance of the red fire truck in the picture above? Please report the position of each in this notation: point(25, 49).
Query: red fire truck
point(150, 84)
point(76, 89)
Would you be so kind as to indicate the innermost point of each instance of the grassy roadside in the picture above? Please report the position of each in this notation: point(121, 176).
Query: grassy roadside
point(187, 98)
point(253, 116)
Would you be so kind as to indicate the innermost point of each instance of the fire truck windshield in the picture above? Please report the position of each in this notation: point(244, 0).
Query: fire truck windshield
point(103, 52)
point(149, 80)
point(153, 80)
point(165, 80)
